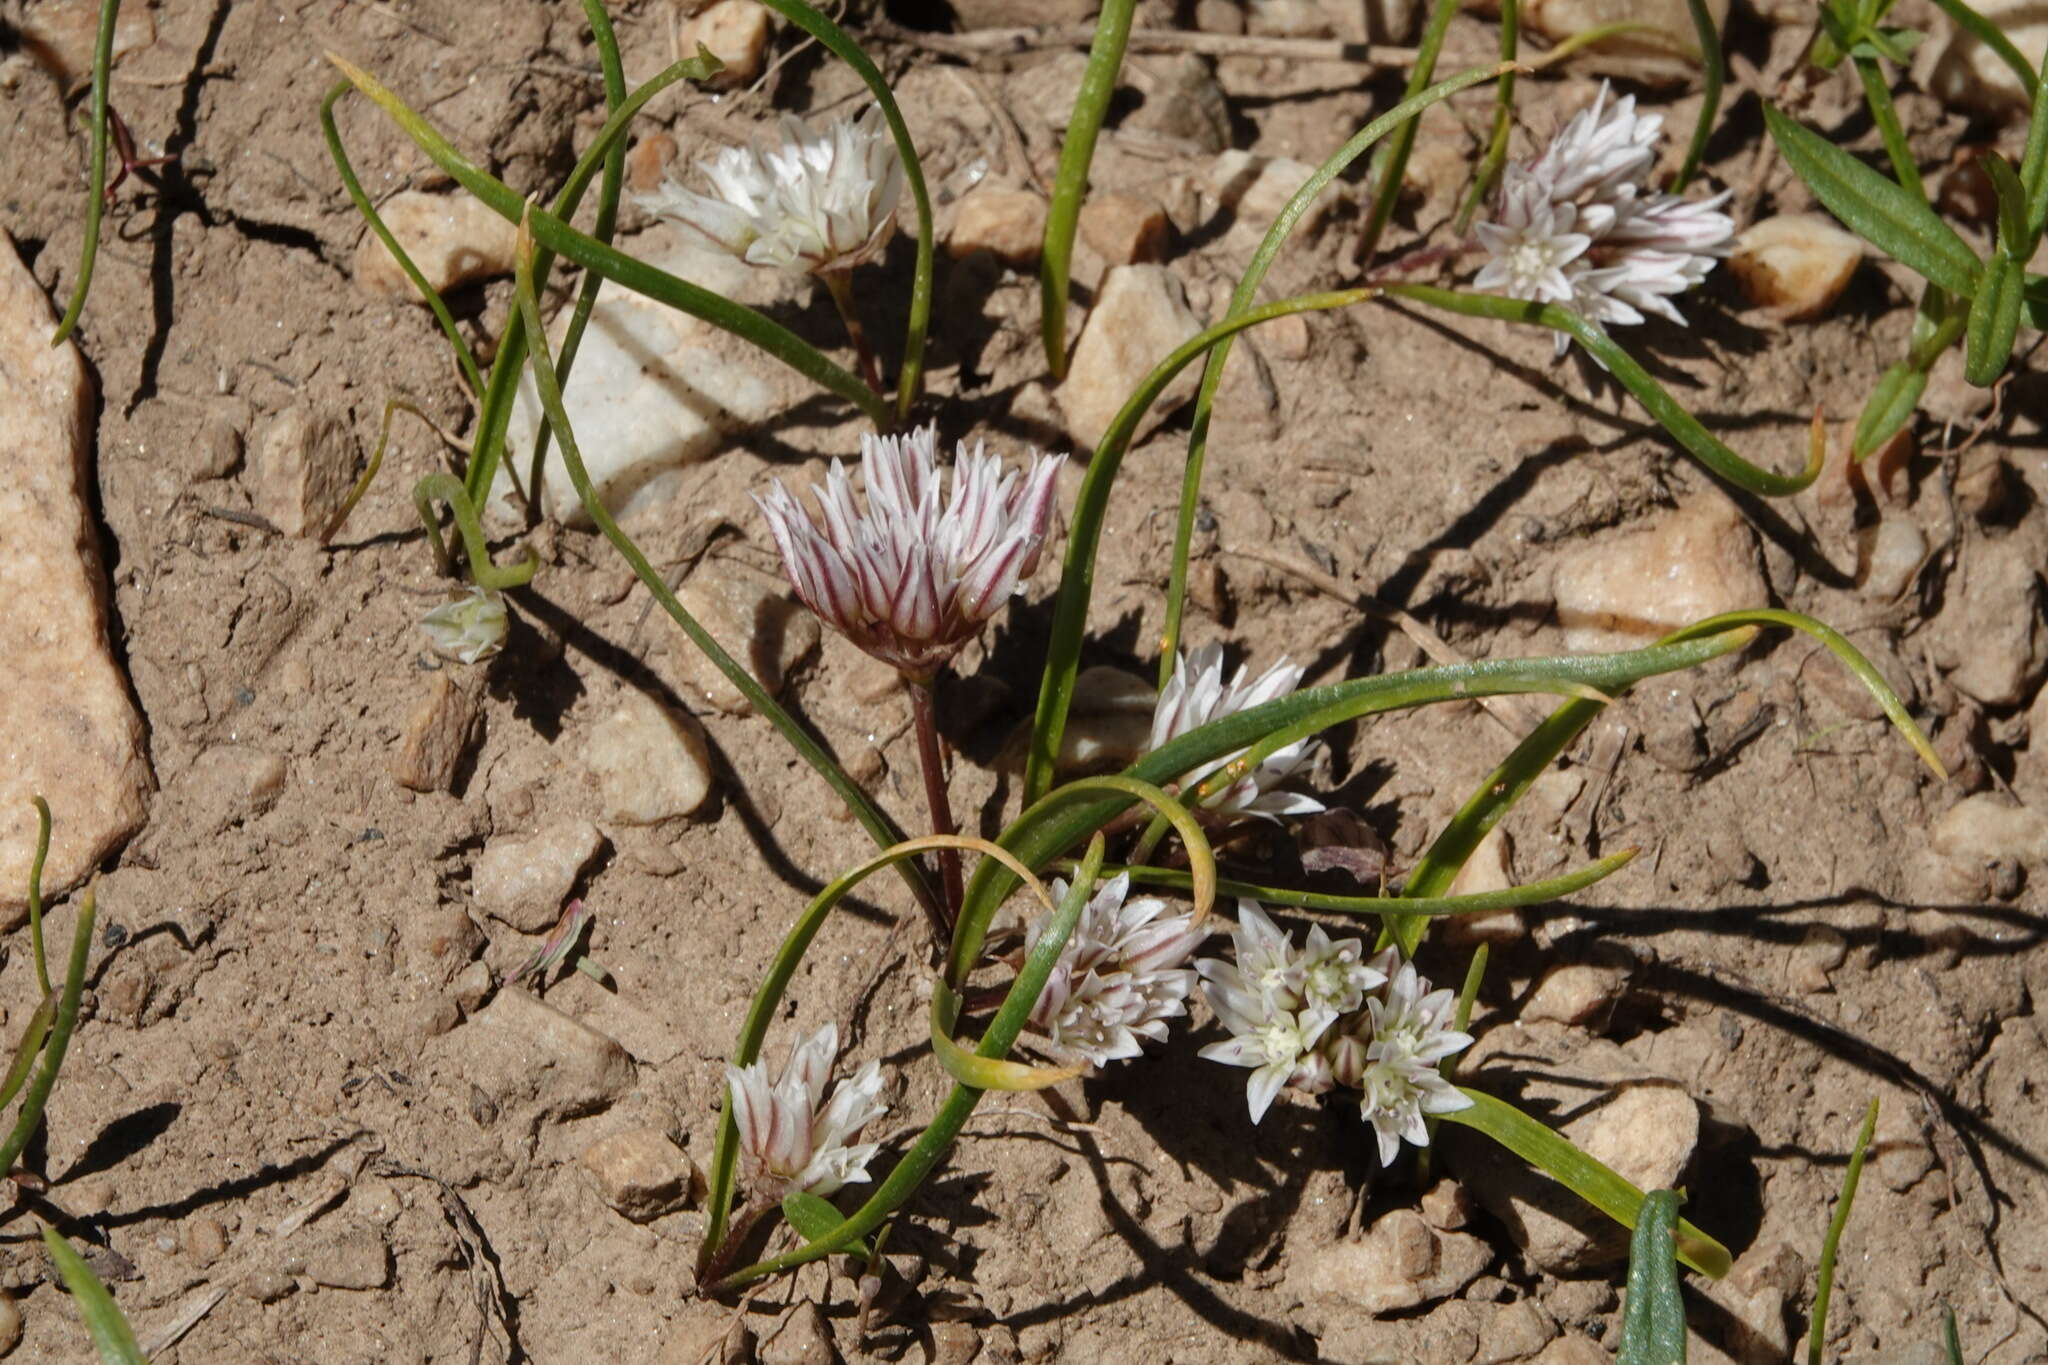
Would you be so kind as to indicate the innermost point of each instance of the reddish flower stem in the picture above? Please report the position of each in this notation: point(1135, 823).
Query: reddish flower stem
point(924, 718)
point(839, 283)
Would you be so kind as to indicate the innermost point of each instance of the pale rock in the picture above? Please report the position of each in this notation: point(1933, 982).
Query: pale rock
point(437, 735)
point(1490, 868)
point(1255, 188)
point(453, 239)
point(1513, 1331)
point(1140, 317)
point(1670, 21)
point(1987, 828)
point(68, 730)
point(640, 1173)
point(1992, 635)
point(62, 35)
point(1574, 992)
point(1967, 74)
point(1401, 1262)
point(206, 1241)
point(1641, 1124)
point(647, 164)
point(228, 784)
point(302, 473)
point(654, 389)
point(1891, 554)
point(521, 1053)
point(1289, 19)
point(805, 1339)
point(1625, 590)
point(1219, 16)
point(524, 882)
point(650, 1036)
point(472, 986)
point(954, 1343)
point(651, 763)
point(355, 1258)
point(1820, 951)
point(752, 616)
point(1572, 1348)
point(1109, 721)
point(1124, 229)
point(736, 32)
point(1393, 21)
point(1008, 224)
point(1795, 265)
point(1446, 1206)
point(1186, 104)
point(1005, 14)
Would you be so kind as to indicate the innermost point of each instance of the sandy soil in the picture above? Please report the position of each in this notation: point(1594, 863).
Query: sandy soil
point(276, 1025)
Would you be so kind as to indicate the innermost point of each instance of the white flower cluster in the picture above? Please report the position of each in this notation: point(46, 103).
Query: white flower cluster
point(1120, 976)
point(911, 579)
point(1578, 227)
point(819, 201)
point(468, 628)
point(1322, 1016)
point(1196, 695)
point(792, 1144)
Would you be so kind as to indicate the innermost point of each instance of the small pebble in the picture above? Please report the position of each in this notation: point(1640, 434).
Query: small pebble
point(452, 238)
point(1008, 224)
point(1796, 265)
point(651, 763)
point(206, 1240)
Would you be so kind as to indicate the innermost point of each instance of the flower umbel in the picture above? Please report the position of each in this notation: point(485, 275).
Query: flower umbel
point(906, 579)
point(1412, 1031)
point(1577, 227)
point(1196, 695)
point(1277, 1001)
point(1120, 976)
point(468, 628)
point(820, 200)
point(791, 1143)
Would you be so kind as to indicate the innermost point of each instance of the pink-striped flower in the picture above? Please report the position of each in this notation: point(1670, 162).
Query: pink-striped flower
point(1121, 976)
point(790, 1142)
point(911, 578)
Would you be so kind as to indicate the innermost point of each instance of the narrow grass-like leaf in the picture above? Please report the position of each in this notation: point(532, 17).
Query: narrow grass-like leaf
point(813, 1216)
point(879, 826)
point(1390, 166)
point(553, 233)
point(1473, 903)
point(30, 1116)
point(834, 39)
point(1711, 64)
point(1653, 1318)
point(96, 205)
point(2034, 166)
point(35, 892)
point(465, 358)
point(111, 1333)
point(1070, 183)
point(1277, 233)
point(1951, 1343)
point(1553, 1154)
point(1994, 321)
point(486, 573)
point(1824, 1285)
point(1084, 529)
point(1683, 426)
point(1496, 155)
point(1877, 94)
point(2013, 209)
point(28, 1047)
point(1878, 210)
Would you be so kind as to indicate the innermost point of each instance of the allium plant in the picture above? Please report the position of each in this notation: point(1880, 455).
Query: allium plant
point(467, 628)
point(1578, 225)
point(912, 571)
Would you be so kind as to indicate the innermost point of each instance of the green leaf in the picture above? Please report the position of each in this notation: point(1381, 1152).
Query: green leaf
point(1994, 321)
point(1553, 1154)
point(1889, 407)
point(813, 1217)
point(2034, 168)
point(1878, 210)
point(1653, 1318)
point(110, 1330)
point(1824, 1285)
point(1992, 36)
point(1070, 182)
point(32, 1035)
point(2013, 209)
point(96, 191)
point(1951, 1343)
point(1711, 64)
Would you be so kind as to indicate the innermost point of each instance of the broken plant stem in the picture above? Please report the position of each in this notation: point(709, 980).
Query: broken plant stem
point(932, 759)
point(840, 284)
point(728, 1250)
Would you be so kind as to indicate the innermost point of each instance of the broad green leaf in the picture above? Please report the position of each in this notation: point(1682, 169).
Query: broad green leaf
point(1994, 321)
point(110, 1330)
point(1653, 1318)
point(813, 1217)
point(1889, 407)
point(1552, 1153)
point(1878, 210)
